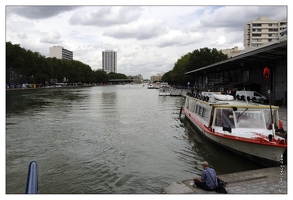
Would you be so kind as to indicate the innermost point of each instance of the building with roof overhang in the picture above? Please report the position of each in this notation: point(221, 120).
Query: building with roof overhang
point(245, 71)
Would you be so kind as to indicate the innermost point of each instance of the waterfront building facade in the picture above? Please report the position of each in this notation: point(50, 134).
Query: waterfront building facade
point(109, 61)
point(60, 53)
point(156, 78)
point(263, 31)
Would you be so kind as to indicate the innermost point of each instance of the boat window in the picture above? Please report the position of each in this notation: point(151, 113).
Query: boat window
point(267, 116)
point(199, 110)
point(224, 118)
point(250, 119)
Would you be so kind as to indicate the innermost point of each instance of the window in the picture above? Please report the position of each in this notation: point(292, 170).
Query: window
point(256, 25)
point(249, 119)
point(224, 118)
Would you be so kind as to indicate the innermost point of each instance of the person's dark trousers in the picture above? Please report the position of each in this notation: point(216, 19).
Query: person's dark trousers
point(202, 185)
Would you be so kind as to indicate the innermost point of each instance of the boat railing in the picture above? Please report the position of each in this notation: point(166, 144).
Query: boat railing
point(32, 178)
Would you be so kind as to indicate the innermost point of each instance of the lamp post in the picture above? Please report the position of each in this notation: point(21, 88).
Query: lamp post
point(266, 73)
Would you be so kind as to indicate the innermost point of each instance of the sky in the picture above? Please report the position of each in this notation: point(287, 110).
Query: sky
point(148, 39)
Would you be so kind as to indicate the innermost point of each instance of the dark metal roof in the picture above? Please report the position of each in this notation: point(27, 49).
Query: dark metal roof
point(251, 57)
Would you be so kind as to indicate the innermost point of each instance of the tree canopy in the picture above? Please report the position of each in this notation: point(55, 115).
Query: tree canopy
point(25, 66)
point(191, 61)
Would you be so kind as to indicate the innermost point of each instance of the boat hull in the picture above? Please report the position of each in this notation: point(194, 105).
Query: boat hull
point(264, 154)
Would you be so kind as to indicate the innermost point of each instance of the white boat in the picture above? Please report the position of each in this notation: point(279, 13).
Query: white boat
point(165, 90)
point(248, 129)
point(151, 86)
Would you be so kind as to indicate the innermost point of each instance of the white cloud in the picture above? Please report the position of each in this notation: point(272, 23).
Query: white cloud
point(51, 38)
point(221, 40)
point(148, 39)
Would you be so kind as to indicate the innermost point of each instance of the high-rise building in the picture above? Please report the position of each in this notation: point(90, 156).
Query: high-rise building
point(60, 53)
point(109, 61)
point(262, 31)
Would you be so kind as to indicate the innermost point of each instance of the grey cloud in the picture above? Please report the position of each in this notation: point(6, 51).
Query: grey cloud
point(235, 17)
point(22, 35)
point(178, 40)
point(51, 38)
point(140, 31)
point(38, 12)
point(106, 16)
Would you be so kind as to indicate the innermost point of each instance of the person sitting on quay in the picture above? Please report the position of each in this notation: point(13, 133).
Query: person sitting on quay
point(208, 180)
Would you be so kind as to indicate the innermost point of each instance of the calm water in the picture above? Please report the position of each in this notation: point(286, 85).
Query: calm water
point(122, 139)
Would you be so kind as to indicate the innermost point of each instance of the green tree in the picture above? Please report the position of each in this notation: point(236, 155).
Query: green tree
point(191, 61)
point(113, 75)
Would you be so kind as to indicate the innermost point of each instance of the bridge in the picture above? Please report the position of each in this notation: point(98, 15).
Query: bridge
point(124, 80)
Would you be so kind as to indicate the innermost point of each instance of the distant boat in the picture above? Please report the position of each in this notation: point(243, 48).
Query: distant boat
point(248, 129)
point(151, 86)
point(165, 90)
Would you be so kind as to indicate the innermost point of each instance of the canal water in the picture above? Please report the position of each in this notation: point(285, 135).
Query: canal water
point(122, 139)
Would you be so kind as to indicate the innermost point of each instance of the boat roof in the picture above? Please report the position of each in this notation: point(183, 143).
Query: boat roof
point(231, 103)
point(240, 104)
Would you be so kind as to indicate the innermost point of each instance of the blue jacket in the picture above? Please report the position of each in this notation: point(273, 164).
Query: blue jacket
point(209, 176)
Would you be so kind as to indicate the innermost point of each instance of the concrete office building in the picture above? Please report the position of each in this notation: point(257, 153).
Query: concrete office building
point(109, 61)
point(231, 52)
point(263, 31)
point(60, 53)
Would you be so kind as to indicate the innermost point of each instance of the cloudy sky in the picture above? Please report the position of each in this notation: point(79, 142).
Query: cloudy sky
point(149, 39)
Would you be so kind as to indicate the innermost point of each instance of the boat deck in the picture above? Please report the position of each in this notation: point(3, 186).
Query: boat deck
point(261, 181)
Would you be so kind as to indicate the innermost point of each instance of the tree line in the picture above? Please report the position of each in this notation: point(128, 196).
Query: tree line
point(25, 66)
point(192, 61)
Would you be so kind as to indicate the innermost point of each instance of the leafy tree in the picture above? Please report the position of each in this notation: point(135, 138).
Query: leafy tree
point(191, 61)
point(113, 75)
point(25, 66)
point(100, 76)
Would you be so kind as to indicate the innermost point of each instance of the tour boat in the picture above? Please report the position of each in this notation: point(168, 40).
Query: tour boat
point(246, 128)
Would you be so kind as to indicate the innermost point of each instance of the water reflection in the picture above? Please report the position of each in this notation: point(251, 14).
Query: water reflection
point(219, 158)
point(107, 139)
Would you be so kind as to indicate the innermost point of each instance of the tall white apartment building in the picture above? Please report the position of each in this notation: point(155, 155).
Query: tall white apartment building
point(262, 31)
point(109, 61)
point(60, 53)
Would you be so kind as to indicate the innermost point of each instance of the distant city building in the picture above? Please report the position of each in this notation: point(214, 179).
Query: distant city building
point(60, 53)
point(157, 78)
point(109, 61)
point(263, 30)
point(230, 52)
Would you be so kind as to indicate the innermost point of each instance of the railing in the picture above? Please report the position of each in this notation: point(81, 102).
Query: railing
point(32, 179)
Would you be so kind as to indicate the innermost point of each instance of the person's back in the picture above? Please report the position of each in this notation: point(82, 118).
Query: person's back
point(208, 180)
point(210, 177)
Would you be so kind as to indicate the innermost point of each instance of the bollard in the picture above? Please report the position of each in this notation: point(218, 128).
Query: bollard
point(32, 179)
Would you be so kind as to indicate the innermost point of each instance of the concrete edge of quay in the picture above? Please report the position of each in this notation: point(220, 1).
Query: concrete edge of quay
point(271, 180)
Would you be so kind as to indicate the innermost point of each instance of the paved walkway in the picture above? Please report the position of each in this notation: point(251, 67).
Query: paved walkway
point(261, 181)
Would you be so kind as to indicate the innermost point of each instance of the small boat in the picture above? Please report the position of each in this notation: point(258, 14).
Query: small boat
point(249, 129)
point(151, 86)
point(165, 90)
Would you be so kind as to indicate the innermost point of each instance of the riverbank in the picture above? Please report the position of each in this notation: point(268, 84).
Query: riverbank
point(261, 181)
